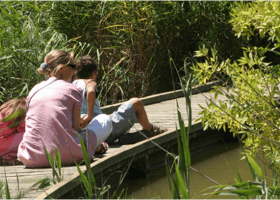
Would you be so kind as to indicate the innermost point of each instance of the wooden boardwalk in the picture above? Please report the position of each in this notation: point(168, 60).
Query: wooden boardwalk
point(161, 110)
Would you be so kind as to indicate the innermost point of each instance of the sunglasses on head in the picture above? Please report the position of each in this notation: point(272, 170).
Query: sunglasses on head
point(72, 66)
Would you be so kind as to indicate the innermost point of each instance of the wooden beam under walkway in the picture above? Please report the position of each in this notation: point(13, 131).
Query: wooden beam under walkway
point(161, 110)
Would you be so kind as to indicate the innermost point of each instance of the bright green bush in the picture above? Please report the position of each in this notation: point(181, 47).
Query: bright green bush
point(251, 107)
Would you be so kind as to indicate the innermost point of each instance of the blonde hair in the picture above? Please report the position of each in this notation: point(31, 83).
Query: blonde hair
point(55, 60)
point(12, 106)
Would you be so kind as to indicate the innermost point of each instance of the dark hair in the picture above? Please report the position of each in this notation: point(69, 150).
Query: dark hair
point(85, 65)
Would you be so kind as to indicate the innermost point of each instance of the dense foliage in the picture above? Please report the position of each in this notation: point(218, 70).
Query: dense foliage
point(252, 105)
point(132, 41)
point(251, 109)
point(136, 39)
point(26, 37)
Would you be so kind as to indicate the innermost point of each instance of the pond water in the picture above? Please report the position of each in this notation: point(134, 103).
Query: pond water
point(219, 162)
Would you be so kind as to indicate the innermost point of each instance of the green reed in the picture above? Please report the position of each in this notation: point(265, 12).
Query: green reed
point(5, 192)
point(179, 183)
point(136, 37)
point(130, 44)
point(26, 37)
point(55, 164)
point(91, 189)
point(257, 189)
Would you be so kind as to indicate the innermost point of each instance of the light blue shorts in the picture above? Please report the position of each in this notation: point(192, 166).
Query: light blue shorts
point(123, 119)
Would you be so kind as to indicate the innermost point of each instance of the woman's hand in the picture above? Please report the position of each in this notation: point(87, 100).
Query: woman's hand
point(84, 121)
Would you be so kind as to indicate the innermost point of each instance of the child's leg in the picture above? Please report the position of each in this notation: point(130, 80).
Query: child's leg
point(123, 119)
point(101, 125)
point(141, 113)
point(143, 118)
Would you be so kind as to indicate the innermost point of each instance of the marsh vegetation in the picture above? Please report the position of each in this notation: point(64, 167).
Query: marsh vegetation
point(140, 46)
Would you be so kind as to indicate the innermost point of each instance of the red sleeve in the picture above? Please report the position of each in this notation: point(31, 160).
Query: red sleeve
point(21, 127)
point(6, 133)
point(4, 126)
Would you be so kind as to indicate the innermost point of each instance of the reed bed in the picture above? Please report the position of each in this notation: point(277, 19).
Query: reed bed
point(131, 41)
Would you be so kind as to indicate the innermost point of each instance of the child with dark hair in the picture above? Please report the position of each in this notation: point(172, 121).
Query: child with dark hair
point(11, 130)
point(123, 119)
point(86, 71)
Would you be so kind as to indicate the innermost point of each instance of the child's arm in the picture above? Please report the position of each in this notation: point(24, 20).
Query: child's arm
point(91, 96)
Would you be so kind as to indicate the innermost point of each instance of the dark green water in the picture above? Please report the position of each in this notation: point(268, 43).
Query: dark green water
point(219, 162)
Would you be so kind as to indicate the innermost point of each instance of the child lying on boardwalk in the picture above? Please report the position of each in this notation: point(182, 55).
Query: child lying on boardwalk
point(11, 131)
point(123, 119)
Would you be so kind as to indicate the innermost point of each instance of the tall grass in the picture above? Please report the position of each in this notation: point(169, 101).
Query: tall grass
point(130, 40)
point(26, 36)
point(134, 39)
point(179, 183)
point(5, 189)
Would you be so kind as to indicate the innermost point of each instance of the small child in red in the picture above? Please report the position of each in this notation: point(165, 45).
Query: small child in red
point(11, 131)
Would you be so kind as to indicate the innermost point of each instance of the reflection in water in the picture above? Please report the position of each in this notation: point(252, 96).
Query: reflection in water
point(220, 162)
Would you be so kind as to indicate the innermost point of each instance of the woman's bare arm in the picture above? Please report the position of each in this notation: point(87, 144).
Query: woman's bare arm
point(76, 119)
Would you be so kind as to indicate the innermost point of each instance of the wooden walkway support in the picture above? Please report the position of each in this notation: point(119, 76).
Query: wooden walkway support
point(161, 110)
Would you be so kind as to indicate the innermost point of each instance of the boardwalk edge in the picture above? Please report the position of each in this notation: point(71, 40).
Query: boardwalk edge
point(67, 185)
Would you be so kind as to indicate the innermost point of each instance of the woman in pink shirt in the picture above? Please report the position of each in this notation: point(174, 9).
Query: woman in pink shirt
point(53, 116)
point(11, 131)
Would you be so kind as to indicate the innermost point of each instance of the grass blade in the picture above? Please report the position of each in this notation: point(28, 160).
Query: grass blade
point(255, 166)
point(85, 182)
point(7, 190)
point(90, 182)
point(181, 185)
point(43, 183)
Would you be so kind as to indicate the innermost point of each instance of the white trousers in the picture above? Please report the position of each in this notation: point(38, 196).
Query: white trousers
point(101, 125)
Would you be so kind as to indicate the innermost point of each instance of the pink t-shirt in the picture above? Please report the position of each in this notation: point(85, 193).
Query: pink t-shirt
point(49, 125)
